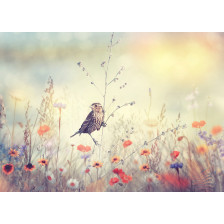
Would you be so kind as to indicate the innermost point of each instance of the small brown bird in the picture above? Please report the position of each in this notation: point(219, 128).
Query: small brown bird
point(94, 121)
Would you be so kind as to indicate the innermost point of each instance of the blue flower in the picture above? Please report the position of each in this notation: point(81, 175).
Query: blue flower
point(85, 156)
point(176, 165)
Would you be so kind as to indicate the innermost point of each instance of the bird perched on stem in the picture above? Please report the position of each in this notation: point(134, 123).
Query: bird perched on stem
point(94, 121)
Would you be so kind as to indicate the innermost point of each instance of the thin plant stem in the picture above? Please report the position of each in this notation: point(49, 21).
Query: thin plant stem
point(13, 127)
point(59, 126)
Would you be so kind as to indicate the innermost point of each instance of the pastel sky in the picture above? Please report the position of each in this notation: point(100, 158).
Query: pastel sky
point(173, 65)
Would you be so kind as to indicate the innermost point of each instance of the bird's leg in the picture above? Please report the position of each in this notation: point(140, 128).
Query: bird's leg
point(96, 143)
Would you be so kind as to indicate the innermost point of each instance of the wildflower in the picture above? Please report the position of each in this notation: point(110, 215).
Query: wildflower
point(145, 152)
point(59, 105)
point(43, 129)
point(43, 162)
point(8, 168)
point(83, 148)
point(216, 130)
point(180, 138)
point(113, 181)
point(115, 159)
point(144, 167)
point(174, 154)
point(158, 177)
point(125, 179)
point(202, 149)
point(29, 167)
point(87, 170)
point(149, 180)
point(97, 164)
point(85, 156)
point(118, 171)
point(50, 177)
point(13, 153)
point(176, 165)
point(21, 150)
point(72, 183)
point(127, 143)
point(61, 170)
point(197, 124)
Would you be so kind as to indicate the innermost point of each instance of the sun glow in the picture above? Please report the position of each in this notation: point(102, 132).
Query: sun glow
point(180, 62)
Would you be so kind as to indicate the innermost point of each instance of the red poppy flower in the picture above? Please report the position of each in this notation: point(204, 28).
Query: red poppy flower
point(43, 129)
point(125, 179)
point(118, 171)
point(8, 168)
point(87, 170)
point(180, 138)
point(83, 148)
point(127, 143)
point(113, 181)
point(174, 154)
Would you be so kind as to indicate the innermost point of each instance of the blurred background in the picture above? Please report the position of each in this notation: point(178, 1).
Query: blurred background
point(183, 71)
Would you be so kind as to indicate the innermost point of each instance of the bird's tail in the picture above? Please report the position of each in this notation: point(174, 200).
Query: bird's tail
point(74, 134)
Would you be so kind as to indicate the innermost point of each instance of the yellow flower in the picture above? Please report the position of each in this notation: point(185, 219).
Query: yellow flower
point(97, 164)
point(115, 159)
point(145, 152)
point(202, 149)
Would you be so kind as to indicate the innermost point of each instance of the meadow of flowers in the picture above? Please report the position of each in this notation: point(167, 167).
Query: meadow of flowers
point(147, 153)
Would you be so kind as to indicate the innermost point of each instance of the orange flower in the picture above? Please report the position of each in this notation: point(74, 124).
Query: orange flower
point(43, 162)
point(145, 152)
point(158, 177)
point(13, 153)
point(144, 167)
point(216, 130)
point(115, 159)
point(97, 164)
point(29, 167)
point(127, 143)
point(83, 148)
point(8, 168)
point(197, 124)
point(202, 149)
point(43, 129)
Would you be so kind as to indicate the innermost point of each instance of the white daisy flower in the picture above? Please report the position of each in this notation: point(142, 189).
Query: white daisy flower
point(50, 177)
point(62, 170)
point(73, 183)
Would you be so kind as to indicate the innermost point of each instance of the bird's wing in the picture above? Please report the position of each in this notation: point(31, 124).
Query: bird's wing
point(86, 123)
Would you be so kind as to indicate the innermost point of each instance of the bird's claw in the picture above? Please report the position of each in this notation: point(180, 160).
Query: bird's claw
point(104, 124)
